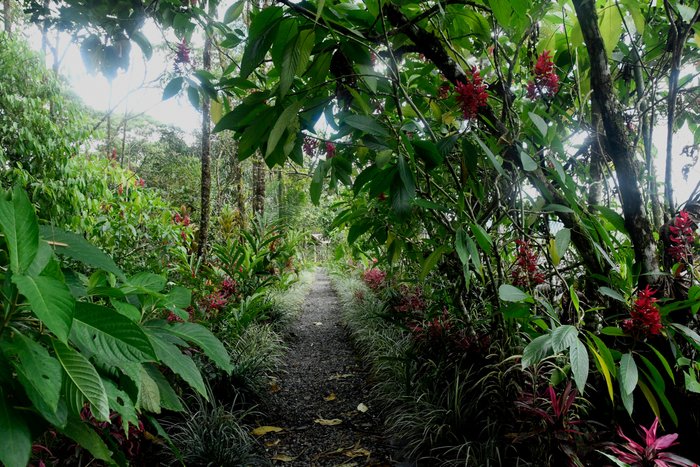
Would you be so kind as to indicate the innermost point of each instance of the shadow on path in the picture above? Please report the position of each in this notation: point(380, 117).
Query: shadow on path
point(321, 402)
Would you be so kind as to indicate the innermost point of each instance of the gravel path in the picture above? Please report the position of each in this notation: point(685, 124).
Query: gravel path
point(321, 401)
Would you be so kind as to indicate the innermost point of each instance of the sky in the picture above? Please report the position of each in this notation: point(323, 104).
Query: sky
point(128, 89)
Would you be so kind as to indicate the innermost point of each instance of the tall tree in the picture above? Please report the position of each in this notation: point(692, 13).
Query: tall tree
point(206, 147)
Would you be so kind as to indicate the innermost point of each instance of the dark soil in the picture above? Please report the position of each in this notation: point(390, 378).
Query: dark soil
point(323, 381)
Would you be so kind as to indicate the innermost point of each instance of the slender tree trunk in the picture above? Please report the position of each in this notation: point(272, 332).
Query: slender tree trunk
point(259, 186)
point(618, 146)
point(280, 193)
point(595, 189)
point(7, 13)
point(206, 154)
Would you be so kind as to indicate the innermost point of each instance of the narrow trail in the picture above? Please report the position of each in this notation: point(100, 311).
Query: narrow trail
point(317, 400)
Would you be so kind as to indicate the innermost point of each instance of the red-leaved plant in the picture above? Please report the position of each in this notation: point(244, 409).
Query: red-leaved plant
point(652, 452)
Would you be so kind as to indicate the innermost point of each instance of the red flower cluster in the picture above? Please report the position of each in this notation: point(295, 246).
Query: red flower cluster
point(441, 334)
point(526, 273)
point(181, 220)
point(140, 182)
point(310, 146)
point(546, 82)
point(374, 278)
point(120, 189)
point(183, 52)
point(218, 299)
point(682, 236)
point(438, 328)
point(472, 95)
point(409, 300)
point(330, 150)
point(645, 319)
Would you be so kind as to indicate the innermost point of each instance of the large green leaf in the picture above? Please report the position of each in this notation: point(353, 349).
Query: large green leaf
point(510, 293)
point(366, 124)
point(432, 260)
point(285, 120)
point(120, 402)
point(610, 26)
point(76, 247)
point(169, 399)
point(202, 337)
point(19, 225)
point(536, 350)
point(37, 371)
point(84, 435)
point(578, 355)
point(110, 336)
point(629, 376)
point(461, 246)
point(82, 381)
point(296, 59)
point(15, 438)
point(564, 337)
point(261, 33)
point(50, 300)
point(182, 365)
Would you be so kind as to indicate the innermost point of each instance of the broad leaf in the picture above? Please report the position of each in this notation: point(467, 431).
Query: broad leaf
point(296, 59)
point(76, 247)
point(629, 376)
point(109, 335)
point(261, 33)
point(536, 350)
point(202, 337)
point(50, 300)
point(84, 435)
point(564, 337)
point(180, 364)
point(19, 225)
point(15, 438)
point(578, 355)
point(37, 371)
point(509, 293)
point(366, 124)
point(285, 120)
point(82, 380)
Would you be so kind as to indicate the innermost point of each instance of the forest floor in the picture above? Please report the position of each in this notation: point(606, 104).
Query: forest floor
point(321, 401)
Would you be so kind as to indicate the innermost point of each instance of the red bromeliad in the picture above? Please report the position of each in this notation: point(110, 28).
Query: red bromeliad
point(472, 95)
point(330, 150)
point(374, 278)
point(652, 452)
point(645, 319)
point(526, 273)
point(546, 82)
point(682, 237)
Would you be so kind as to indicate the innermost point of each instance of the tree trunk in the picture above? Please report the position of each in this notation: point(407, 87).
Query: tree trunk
point(206, 155)
point(7, 13)
point(259, 182)
point(618, 147)
point(280, 193)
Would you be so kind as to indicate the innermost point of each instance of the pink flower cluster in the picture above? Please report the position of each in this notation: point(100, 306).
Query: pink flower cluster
point(218, 299)
point(645, 319)
point(374, 278)
point(472, 95)
point(183, 220)
point(526, 273)
point(682, 237)
point(546, 81)
point(183, 53)
point(330, 150)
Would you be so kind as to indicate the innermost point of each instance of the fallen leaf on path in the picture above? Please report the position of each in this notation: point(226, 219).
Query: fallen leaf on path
point(282, 458)
point(263, 430)
point(330, 397)
point(331, 422)
point(359, 452)
point(362, 408)
point(274, 387)
point(339, 376)
point(348, 464)
point(318, 324)
point(270, 444)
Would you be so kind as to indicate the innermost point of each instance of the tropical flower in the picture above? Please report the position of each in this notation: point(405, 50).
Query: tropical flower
point(330, 150)
point(472, 95)
point(644, 319)
point(374, 278)
point(682, 237)
point(546, 81)
point(652, 452)
point(183, 52)
point(309, 146)
point(526, 273)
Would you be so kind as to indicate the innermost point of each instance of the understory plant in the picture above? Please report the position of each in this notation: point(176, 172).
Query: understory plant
point(70, 340)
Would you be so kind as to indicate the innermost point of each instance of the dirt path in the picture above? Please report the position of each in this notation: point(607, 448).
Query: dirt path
point(322, 400)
